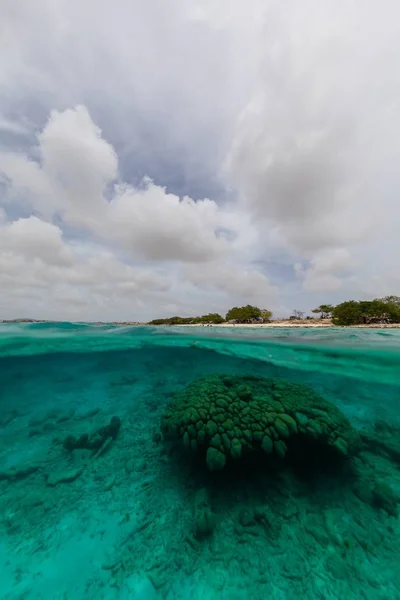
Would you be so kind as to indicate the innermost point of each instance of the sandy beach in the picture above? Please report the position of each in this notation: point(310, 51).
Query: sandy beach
point(290, 324)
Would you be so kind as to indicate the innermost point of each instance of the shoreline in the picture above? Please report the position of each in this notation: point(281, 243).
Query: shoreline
point(283, 325)
point(272, 325)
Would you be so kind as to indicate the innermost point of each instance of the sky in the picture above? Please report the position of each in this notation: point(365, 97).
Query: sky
point(186, 157)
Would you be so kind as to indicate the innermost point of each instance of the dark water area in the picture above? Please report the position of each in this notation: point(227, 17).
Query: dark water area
point(124, 511)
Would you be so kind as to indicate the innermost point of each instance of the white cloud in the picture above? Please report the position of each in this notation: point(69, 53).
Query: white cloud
point(289, 109)
point(70, 180)
point(34, 238)
point(235, 280)
point(163, 80)
point(319, 136)
point(326, 270)
point(74, 182)
point(162, 226)
point(74, 154)
point(40, 271)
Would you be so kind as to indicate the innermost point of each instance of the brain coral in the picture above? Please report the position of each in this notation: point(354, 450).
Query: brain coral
point(226, 417)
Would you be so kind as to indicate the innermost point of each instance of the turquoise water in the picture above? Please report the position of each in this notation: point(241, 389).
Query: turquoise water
point(118, 520)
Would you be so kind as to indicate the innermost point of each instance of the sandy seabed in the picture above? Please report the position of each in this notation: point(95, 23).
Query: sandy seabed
point(121, 522)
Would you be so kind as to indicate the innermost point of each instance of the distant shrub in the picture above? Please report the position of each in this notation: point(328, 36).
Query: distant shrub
point(212, 318)
point(365, 312)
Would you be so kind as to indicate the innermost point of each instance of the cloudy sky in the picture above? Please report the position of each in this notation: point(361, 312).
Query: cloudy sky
point(181, 157)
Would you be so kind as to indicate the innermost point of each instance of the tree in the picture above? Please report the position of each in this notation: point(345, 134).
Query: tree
point(243, 313)
point(365, 312)
point(393, 312)
point(298, 314)
point(214, 318)
point(324, 309)
point(379, 311)
point(266, 314)
point(347, 313)
point(391, 300)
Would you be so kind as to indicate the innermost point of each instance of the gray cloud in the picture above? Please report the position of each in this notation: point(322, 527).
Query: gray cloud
point(314, 153)
point(130, 238)
point(164, 83)
point(116, 126)
point(75, 168)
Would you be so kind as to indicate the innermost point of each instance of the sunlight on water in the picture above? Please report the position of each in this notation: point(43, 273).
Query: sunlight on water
point(100, 500)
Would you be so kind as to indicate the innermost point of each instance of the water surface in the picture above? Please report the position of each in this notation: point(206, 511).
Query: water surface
point(118, 524)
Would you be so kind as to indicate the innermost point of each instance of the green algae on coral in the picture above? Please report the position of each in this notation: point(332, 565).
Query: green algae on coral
point(230, 417)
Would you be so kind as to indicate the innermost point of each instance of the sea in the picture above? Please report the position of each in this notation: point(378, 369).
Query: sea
point(97, 502)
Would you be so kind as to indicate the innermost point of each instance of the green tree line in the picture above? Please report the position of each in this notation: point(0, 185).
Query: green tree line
point(351, 312)
point(240, 314)
point(367, 312)
point(213, 318)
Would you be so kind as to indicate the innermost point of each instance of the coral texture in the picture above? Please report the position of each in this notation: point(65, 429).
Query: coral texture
point(229, 417)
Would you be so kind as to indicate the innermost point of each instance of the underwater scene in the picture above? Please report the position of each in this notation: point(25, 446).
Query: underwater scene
point(183, 463)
